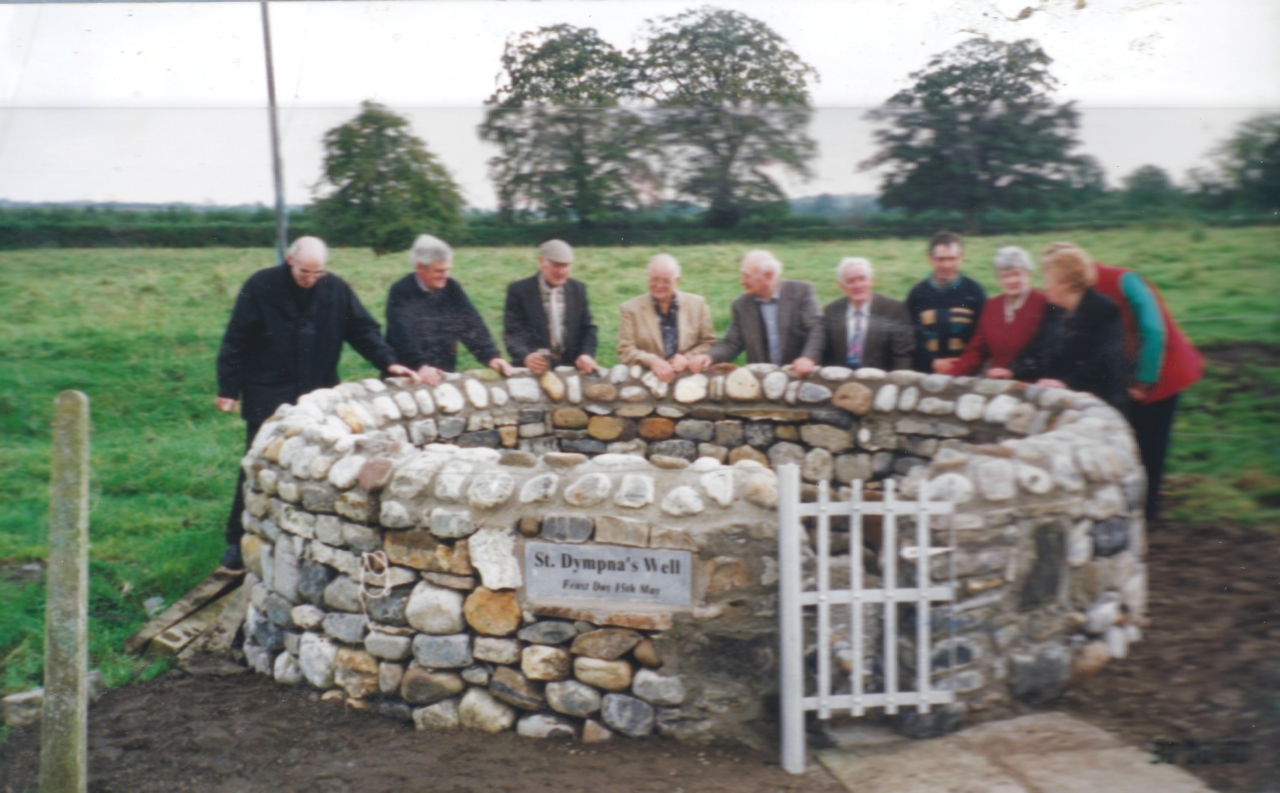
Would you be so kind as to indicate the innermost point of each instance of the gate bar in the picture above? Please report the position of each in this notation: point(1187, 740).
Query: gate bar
point(791, 630)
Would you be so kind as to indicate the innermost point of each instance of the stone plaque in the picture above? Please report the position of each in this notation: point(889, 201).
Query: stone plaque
point(608, 572)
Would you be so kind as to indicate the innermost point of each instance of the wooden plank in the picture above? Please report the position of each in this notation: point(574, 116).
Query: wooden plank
point(176, 637)
point(210, 653)
point(203, 592)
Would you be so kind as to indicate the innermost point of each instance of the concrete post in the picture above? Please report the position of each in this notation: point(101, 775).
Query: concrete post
point(63, 730)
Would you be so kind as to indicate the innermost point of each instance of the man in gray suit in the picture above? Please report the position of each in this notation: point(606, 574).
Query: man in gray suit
point(776, 321)
point(863, 328)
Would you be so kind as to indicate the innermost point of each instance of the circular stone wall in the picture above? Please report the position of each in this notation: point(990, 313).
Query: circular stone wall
point(572, 555)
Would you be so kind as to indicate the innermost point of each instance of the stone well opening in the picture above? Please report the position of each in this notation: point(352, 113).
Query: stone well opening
point(590, 556)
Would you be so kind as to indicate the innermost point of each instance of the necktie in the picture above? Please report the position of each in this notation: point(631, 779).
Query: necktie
point(855, 341)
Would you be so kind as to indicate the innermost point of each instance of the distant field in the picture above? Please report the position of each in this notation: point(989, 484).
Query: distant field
point(138, 331)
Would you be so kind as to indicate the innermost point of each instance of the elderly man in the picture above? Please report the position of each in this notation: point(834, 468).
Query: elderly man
point(663, 329)
point(945, 306)
point(864, 328)
point(775, 321)
point(547, 320)
point(284, 340)
point(428, 313)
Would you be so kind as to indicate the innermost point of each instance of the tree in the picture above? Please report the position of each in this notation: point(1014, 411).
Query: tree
point(1249, 163)
point(567, 148)
point(732, 102)
point(1149, 187)
point(386, 187)
point(977, 130)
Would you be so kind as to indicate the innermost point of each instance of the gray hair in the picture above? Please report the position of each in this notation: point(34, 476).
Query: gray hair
point(763, 260)
point(1012, 256)
point(660, 260)
point(849, 264)
point(427, 250)
point(308, 244)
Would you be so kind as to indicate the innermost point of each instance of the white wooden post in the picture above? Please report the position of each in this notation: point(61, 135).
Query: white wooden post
point(791, 629)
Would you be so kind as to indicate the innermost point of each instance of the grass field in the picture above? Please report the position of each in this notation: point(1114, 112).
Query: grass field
point(138, 330)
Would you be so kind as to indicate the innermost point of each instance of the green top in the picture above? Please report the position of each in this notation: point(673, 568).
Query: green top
point(1151, 329)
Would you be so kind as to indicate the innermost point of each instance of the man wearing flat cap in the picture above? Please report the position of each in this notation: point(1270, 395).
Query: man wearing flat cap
point(547, 320)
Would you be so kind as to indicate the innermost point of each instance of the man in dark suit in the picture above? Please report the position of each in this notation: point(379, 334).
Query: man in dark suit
point(776, 321)
point(547, 319)
point(428, 313)
point(284, 340)
point(863, 328)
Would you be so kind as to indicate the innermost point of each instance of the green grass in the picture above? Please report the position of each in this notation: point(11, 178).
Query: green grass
point(138, 330)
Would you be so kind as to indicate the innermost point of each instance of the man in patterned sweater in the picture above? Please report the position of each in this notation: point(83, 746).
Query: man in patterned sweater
point(944, 307)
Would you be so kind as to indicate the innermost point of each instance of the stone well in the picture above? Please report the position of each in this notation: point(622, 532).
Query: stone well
point(572, 555)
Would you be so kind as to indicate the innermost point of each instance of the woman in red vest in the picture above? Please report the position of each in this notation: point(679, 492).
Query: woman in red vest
point(1164, 362)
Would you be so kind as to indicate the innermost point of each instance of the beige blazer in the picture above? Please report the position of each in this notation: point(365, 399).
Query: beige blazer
point(640, 336)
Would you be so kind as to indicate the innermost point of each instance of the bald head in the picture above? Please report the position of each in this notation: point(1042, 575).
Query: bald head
point(307, 257)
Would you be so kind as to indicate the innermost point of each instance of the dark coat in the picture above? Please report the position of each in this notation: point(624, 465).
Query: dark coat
point(944, 318)
point(1085, 350)
point(271, 353)
point(799, 326)
point(425, 328)
point(889, 342)
point(524, 322)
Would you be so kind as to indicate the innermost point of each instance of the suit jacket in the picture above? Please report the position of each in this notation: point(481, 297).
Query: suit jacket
point(888, 341)
point(799, 327)
point(524, 322)
point(640, 335)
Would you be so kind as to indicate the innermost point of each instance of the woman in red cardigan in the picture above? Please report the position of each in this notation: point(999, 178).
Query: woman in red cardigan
point(1008, 322)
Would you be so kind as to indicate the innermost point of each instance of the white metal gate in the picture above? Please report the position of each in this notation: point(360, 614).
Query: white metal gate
point(793, 597)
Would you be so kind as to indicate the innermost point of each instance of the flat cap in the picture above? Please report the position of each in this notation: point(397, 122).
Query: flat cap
point(557, 251)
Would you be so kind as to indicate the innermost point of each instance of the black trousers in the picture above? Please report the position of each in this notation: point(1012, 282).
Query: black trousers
point(1152, 425)
point(258, 405)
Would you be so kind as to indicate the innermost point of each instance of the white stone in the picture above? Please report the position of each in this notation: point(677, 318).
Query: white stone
point(396, 433)
point(451, 523)
point(705, 464)
point(683, 500)
point(479, 710)
point(636, 371)
point(495, 650)
point(952, 487)
point(588, 491)
point(493, 553)
point(995, 480)
point(426, 405)
point(1080, 544)
point(1065, 473)
point(435, 609)
point(451, 478)
point(477, 393)
point(1117, 641)
point(440, 716)
point(910, 397)
point(813, 393)
point(489, 489)
point(306, 616)
point(320, 467)
point(835, 373)
point(936, 407)
point(302, 460)
point(658, 689)
point(1032, 479)
point(716, 389)
point(632, 393)
point(886, 398)
point(619, 374)
point(413, 475)
point(1106, 502)
point(544, 725)
point(742, 385)
point(539, 488)
point(655, 385)
point(775, 385)
point(385, 407)
point(498, 396)
point(287, 670)
point(395, 515)
point(315, 657)
point(999, 408)
point(373, 385)
point(524, 389)
point(573, 389)
point(636, 491)
point(344, 561)
point(449, 398)
point(289, 448)
point(969, 407)
point(935, 383)
point(1103, 613)
point(792, 393)
point(388, 646)
point(719, 486)
point(614, 460)
point(692, 388)
point(870, 373)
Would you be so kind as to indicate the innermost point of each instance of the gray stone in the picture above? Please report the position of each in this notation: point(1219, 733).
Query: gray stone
point(1110, 537)
point(729, 433)
point(515, 689)
point(811, 393)
point(543, 725)
point(451, 427)
point(389, 610)
point(342, 594)
point(442, 652)
point(423, 432)
point(388, 646)
point(696, 430)
point(440, 716)
point(786, 454)
point(434, 609)
point(259, 659)
point(657, 689)
point(759, 434)
point(277, 609)
point(583, 446)
point(361, 538)
point(681, 449)
point(495, 650)
point(905, 463)
point(628, 715)
point(548, 632)
point(477, 675)
point(824, 436)
point(451, 523)
point(396, 711)
point(995, 480)
point(484, 439)
point(566, 528)
point(423, 687)
point(1041, 584)
point(346, 628)
point(573, 698)
point(840, 419)
point(817, 466)
point(287, 670)
point(316, 656)
point(637, 491)
point(849, 467)
point(491, 488)
point(479, 710)
point(1041, 677)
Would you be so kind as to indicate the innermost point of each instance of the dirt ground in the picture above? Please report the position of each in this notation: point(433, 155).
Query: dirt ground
point(1208, 670)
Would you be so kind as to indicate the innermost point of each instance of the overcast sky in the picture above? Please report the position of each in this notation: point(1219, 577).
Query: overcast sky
point(163, 101)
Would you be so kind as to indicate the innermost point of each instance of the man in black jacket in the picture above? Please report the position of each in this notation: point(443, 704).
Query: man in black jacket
point(428, 313)
point(284, 340)
point(945, 306)
point(547, 319)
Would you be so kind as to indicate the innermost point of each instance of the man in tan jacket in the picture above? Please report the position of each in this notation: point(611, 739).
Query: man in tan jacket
point(666, 327)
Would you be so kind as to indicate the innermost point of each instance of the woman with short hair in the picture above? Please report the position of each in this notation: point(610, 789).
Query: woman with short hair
point(1008, 321)
point(1080, 344)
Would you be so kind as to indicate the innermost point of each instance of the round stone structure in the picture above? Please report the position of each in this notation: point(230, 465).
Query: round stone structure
point(572, 555)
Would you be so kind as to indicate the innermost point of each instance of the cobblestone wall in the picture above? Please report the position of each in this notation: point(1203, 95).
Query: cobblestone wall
point(394, 533)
